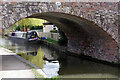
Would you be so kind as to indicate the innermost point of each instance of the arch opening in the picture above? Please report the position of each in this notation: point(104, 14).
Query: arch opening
point(84, 37)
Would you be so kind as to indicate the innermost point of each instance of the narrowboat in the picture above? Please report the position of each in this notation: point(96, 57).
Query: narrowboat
point(24, 37)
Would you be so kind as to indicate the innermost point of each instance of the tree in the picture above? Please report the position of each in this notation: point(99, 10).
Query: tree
point(18, 28)
point(32, 28)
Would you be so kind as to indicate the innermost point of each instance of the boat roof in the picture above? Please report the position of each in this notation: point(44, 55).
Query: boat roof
point(20, 32)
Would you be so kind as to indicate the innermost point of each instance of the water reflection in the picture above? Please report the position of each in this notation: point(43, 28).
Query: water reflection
point(34, 58)
point(50, 67)
point(54, 63)
point(76, 67)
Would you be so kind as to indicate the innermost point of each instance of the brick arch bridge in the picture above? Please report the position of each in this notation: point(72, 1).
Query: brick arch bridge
point(91, 29)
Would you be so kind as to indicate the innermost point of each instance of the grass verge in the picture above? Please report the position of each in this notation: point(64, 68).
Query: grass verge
point(50, 40)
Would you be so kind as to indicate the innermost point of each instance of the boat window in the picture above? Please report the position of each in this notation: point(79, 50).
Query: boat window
point(32, 35)
point(24, 34)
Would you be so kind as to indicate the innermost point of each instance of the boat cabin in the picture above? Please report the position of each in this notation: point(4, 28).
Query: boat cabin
point(30, 35)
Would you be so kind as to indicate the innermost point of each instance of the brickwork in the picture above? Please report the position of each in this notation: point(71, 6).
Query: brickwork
point(103, 14)
point(61, 0)
point(119, 29)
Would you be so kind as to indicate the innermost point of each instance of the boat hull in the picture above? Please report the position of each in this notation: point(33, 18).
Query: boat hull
point(22, 40)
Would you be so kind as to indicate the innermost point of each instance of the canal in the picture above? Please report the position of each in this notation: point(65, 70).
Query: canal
point(55, 63)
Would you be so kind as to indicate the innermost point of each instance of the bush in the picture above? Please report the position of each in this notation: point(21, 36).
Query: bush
point(18, 28)
point(50, 40)
point(63, 39)
point(32, 28)
point(36, 27)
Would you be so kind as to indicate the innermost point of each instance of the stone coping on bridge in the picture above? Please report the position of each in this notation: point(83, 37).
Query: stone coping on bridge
point(60, 0)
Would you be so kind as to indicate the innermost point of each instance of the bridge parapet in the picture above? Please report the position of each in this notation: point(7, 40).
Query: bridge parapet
point(104, 14)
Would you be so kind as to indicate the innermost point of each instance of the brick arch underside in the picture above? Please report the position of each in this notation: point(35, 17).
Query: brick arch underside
point(84, 37)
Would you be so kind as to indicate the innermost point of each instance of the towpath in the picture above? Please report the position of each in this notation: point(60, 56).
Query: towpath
point(12, 67)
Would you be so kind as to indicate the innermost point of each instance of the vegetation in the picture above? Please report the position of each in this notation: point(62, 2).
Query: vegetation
point(36, 27)
point(63, 39)
point(50, 40)
point(53, 31)
point(36, 60)
point(17, 28)
point(53, 78)
point(31, 23)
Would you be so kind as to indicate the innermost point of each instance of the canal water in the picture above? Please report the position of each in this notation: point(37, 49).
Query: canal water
point(54, 63)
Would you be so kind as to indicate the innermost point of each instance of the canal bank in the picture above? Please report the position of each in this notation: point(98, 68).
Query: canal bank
point(55, 46)
point(14, 66)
